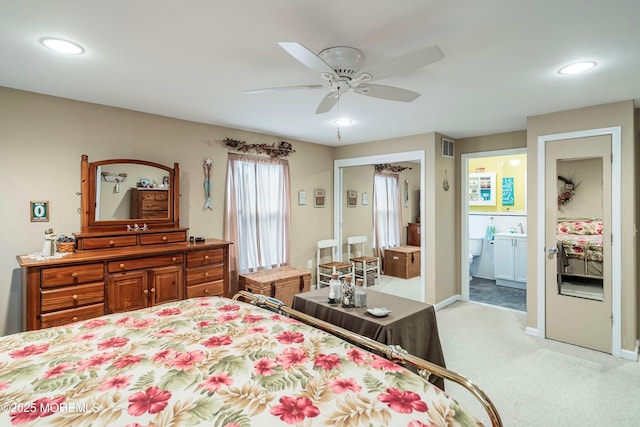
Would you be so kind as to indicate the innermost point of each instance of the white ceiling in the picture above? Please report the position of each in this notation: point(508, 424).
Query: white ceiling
point(192, 60)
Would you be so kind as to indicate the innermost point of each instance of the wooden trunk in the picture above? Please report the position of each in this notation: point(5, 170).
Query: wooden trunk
point(403, 262)
point(280, 283)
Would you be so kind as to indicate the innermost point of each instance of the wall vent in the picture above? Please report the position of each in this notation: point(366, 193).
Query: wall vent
point(447, 148)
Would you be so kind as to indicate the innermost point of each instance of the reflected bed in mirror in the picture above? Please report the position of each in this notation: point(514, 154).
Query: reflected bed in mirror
point(121, 192)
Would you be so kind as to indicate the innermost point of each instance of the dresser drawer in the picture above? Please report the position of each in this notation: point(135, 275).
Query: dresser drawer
point(155, 205)
point(71, 275)
point(211, 256)
point(72, 296)
point(206, 289)
point(153, 214)
point(108, 242)
point(72, 315)
point(199, 275)
point(156, 238)
point(141, 263)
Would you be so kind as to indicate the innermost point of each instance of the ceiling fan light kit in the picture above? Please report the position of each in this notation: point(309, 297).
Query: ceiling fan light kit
point(339, 67)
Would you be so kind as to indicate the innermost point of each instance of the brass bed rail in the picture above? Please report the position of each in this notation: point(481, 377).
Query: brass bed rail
point(393, 352)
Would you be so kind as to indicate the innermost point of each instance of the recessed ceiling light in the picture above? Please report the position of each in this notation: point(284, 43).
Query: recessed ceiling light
point(343, 122)
point(62, 46)
point(577, 68)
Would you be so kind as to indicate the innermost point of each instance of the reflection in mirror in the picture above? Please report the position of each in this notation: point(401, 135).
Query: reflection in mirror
point(357, 175)
point(580, 245)
point(131, 191)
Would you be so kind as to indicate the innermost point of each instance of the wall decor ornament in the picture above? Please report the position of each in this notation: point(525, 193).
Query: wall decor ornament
point(318, 198)
point(282, 149)
point(208, 204)
point(388, 167)
point(567, 191)
point(39, 210)
point(352, 198)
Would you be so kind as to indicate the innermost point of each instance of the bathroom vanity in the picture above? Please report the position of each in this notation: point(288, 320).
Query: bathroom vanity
point(510, 257)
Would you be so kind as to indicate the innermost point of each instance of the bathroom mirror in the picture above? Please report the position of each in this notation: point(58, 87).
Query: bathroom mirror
point(120, 192)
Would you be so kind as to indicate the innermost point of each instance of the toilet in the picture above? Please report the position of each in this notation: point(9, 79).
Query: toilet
point(475, 249)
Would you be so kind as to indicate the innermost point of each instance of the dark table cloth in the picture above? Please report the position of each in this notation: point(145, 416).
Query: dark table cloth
point(411, 324)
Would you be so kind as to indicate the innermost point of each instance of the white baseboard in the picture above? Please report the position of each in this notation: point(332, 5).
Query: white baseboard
point(630, 354)
point(531, 331)
point(448, 301)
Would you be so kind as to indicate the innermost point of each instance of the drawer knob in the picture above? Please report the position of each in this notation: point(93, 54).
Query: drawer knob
point(146, 292)
point(173, 259)
point(74, 297)
point(122, 266)
point(74, 318)
point(111, 243)
point(206, 257)
point(153, 290)
point(164, 238)
point(206, 274)
point(206, 291)
point(74, 274)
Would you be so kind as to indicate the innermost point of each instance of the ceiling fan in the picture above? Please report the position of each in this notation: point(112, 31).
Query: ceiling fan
point(340, 66)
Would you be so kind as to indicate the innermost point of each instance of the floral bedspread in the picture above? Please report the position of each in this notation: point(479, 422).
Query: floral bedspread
point(581, 239)
point(209, 361)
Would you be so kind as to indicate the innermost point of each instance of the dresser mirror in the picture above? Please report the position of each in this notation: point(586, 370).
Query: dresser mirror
point(118, 194)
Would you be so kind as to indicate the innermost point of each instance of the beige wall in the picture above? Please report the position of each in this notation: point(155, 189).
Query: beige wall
point(43, 137)
point(602, 116)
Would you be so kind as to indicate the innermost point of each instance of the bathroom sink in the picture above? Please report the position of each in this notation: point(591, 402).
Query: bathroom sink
point(511, 234)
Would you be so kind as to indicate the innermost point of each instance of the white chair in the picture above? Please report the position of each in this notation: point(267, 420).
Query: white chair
point(364, 267)
point(324, 268)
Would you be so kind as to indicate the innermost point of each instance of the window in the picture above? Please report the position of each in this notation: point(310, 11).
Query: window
point(257, 212)
point(386, 212)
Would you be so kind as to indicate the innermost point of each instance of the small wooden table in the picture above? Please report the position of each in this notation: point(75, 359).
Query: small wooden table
point(411, 324)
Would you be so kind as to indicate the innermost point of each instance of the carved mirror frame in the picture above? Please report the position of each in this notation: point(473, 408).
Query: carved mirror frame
point(88, 173)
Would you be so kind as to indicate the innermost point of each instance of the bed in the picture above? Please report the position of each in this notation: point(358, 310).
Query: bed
point(219, 362)
point(580, 247)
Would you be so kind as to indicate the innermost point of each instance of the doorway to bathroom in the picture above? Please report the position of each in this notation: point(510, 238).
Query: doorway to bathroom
point(494, 228)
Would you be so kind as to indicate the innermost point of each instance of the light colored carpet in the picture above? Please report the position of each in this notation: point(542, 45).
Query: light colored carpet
point(531, 381)
point(406, 288)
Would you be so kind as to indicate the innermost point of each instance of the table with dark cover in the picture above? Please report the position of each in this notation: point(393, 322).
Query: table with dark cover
point(411, 324)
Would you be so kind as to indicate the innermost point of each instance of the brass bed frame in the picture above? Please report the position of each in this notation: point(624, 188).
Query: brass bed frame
point(392, 352)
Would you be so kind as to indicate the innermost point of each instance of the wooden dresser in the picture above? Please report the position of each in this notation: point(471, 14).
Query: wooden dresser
point(413, 234)
point(120, 265)
point(149, 203)
point(123, 277)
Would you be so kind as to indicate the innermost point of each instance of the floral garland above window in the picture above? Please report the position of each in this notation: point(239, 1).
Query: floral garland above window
point(568, 190)
point(390, 168)
point(283, 149)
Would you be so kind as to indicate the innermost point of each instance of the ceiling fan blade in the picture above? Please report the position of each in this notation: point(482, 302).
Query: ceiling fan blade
point(306, 57)
point(283, 88)
point(327, 103)
point(404, 64)
point(387, 92)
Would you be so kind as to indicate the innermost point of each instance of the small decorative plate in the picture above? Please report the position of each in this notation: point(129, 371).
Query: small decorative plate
point(379, 311)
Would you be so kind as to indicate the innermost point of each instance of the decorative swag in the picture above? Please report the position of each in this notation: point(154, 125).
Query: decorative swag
point(388, 167)
point(282, 149)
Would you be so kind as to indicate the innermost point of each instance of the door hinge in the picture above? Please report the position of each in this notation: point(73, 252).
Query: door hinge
point(612, 319)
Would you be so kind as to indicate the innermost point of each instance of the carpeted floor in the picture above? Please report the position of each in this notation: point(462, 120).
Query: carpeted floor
point(534, 381)
point(487, 292)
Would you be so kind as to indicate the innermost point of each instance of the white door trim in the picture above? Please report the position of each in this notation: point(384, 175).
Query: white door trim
point(616, 229)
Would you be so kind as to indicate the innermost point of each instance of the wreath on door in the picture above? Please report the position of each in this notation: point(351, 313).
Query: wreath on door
point(567, 191)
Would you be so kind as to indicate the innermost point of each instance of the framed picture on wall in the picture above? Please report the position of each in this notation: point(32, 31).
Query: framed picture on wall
point(352, 198)
point(318, 198)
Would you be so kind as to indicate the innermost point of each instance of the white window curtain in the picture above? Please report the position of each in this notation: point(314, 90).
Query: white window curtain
point(257, 213)
point(386, 212)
